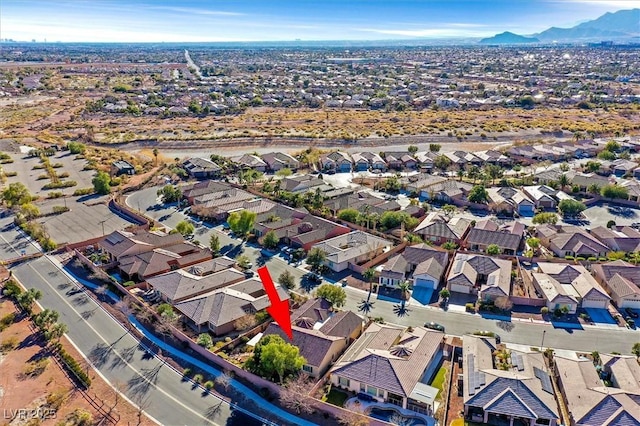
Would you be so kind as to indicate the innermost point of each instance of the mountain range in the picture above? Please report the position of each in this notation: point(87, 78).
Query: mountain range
point(623, 24)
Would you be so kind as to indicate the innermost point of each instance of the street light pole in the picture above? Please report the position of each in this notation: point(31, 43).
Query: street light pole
point(542, 343)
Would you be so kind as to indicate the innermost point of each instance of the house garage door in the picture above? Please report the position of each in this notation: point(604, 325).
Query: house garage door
point(633, 304)
point(597, 304)
point(424, 282)
point(460, 288)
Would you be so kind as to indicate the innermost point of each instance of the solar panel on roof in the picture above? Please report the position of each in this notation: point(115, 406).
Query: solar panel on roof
point(491, 280)
point(520, 364)
point(482, 379)
point(545, 379)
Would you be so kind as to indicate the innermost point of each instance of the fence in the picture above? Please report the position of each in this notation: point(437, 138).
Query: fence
point(130, 214)
point(378, 259)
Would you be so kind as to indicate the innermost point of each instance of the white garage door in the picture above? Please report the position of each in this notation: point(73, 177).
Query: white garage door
point(424, 282)
point(597, 304)
point(460, 288)
point(633, 304)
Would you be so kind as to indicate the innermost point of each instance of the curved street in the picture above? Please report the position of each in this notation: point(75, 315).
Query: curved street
point(587, 339)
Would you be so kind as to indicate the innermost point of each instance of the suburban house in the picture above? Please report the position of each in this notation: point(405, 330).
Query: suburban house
point(621, 280)
point(122, 167)
point(303, 183)
point(250, 161)
point(507, 200)
point(141, 266)
point(622, 167)
point(620, 238)
point(623, 371)
point(420, 264)
point(360, 162)
point(219, 202)
point(489, 277)
point(179, 285)
point(362, 201)
point(218, 310)
point(280, 160)
point(420, 184)
point(321, 334)
point(508, 237)
point(570, 240)
point(120, 244)
point(493, 157)
point(296, 228)
point(569, 286)
point(438, 229)
point(586, 180)
point(392, 364)
point(339, 162)
point(448, 191)
point(589, 401)
point(424, 161)
point(509, 390)
point(375, 161)
point(194, 190)
point(201, 168)
point(544, 197)
point(348, 250)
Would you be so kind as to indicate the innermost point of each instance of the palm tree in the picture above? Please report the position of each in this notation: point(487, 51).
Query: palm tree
point(563, 180)
point(155, 155)
point(594, 189)
point(404, 287)
point(460, 174)
point(369, 275)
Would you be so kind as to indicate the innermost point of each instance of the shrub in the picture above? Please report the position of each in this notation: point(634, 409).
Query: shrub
point(60, 184)
point(568, 257)
point(592, 259)
point(7, 320)
point(74, 367)
point(60, 209)
point(54, 194)
point(544, 310)
point(82, 191)
point(186, 372)
point(9, 344)
point(198, 378)
point(36, 368)
point(470, 307)
point(208, 385)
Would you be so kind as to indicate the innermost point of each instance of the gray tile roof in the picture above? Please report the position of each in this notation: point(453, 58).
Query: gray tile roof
point(178, 285)
point(342, 324)
point(504, 240)
point(313, 344)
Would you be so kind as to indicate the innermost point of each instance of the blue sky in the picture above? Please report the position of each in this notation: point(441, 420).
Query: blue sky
point(277, 20)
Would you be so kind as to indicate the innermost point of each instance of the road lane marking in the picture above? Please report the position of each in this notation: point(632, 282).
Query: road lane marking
point(118, 354)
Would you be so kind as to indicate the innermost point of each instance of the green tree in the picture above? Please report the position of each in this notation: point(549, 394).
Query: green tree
point(612, 146)
point(214, 244)
point(534, 245)
point(27, 299)
point(614, 191)
point(29, 211)
point(393, 219)
point(564, 167)
point(493, 249)
point(607, 155)
point(101, 183)
point(445, 294)
point(287, 280)
point(541, 218)
point(478, 194)
point(76, 148)
point(570, 208)
point(205, 340)
point(185, 228)
point(169, 194)
point(270, 240)
point(273, 357)
point(55, 332)
point(449, 209)
point(494, 172)
point(611, 224)
point(592, 166)
point(369, 275)
point(563, 180)
point(349, 215)
point(449, 245)
point(316, 258)
point(284, 172)
point(241, 223)
point(243, 262)
point(392, 184)
point(594, 188)
point(333, 294)
point(434, 147)
point(527, 101)
point(412, 149)
point(16, 194)
point(442, 162)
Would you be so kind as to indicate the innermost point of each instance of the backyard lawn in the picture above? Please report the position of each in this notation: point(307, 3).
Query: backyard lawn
point(336, 397)
point(438, 381)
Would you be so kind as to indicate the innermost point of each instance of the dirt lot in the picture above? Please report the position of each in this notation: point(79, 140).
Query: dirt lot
point(17, 392)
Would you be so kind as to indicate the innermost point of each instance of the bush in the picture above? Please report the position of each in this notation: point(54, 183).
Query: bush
point(568, 257)
point(35, 368)
point(7, 320)
point(186, 372)
point(592, 259)
point(9, 344)
point(60, 184)
point(74, 367)
point(208, 385)
point(544, 310)
point(470, 307)
point(128, 283)
point(198, 378)
point(56, 194)
point(60, 209)
point(82, 191)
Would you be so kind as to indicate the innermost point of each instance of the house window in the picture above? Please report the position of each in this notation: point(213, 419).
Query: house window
point(343, 381)
point(363, 388)
point(307, 368)
point(543, 421)
point(371, 390)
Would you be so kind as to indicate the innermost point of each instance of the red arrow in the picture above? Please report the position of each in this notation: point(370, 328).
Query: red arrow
point(279, 309)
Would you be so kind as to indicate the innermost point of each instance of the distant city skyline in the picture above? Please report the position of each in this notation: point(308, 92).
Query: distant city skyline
point(283, 20)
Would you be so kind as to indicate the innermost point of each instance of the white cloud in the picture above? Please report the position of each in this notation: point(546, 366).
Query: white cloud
point(197, 11)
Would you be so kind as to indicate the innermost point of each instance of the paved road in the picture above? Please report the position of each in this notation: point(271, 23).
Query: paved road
point(118, 356)
point(456, 323)
point(12, 241)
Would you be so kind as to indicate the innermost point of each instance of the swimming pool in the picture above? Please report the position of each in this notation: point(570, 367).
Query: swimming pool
point(394, 416)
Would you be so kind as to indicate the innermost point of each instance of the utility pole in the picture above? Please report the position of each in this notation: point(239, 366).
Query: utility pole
point(542, 343)
point(102, 223)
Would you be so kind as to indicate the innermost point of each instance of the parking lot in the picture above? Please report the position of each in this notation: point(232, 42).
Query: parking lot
point(89, 217)
point(23, 166)
point(12, 241)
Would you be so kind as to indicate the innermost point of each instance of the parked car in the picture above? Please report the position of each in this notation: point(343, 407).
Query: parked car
point(631, 312)
point(249, 273)
point(434, 326)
